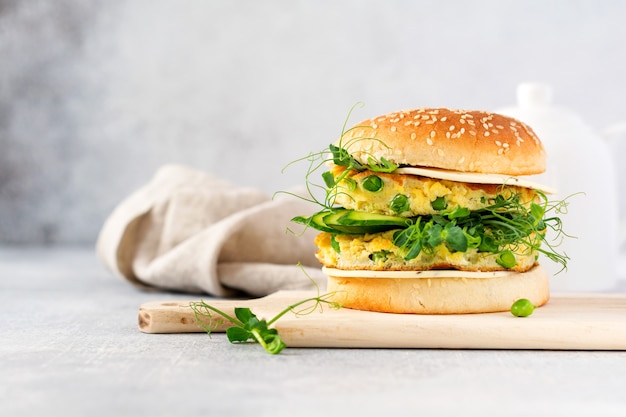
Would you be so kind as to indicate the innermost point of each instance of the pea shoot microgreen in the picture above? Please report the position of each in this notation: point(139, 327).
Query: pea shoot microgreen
point(340, 156)
point(502, 228)
point(246, 326)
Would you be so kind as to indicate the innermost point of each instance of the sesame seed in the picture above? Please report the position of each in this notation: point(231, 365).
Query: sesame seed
point(498, 143)
point(444, 118)
point(486, 133)
point(448, 135)
point(408, 123)
point(432, 133)
point(462, 160)
point(429, 141)
point(440, 152)
point(374, 125)
point(413, 135)
point(472, 132)
point(393, 128)
point(451, 128)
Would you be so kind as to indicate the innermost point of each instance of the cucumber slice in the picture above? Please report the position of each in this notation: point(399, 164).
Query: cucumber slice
point(352, 222)
point(359, 223)
point(360, 218)
point(316, 221)
point(332, 218)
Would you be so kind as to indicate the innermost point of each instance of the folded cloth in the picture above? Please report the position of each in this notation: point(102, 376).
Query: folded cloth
point(188, 231)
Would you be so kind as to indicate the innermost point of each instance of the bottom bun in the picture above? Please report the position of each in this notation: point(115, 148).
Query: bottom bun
point(448, 295)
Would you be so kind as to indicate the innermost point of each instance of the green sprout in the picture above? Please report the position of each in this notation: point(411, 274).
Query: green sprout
point(340, 156)
point(246, 326)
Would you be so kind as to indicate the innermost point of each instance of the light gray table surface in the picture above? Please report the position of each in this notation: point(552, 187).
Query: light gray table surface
point(70, 347)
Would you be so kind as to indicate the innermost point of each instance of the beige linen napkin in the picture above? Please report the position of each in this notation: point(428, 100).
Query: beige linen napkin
point(188, 231)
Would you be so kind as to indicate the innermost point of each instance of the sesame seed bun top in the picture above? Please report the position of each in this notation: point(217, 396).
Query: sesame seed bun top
point(466, 141)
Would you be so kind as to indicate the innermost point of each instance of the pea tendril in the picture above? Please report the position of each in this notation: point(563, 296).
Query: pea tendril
point(246, 326)
point(340, 156)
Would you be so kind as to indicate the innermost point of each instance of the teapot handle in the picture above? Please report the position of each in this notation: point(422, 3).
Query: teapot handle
point(612, 134)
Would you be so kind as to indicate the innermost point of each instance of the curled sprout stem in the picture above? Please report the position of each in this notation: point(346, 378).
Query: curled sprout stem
point(247, 326)
point(339, 155)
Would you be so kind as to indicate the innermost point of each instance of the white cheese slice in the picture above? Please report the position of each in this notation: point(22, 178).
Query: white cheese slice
point(475, 178)
point(437, 273)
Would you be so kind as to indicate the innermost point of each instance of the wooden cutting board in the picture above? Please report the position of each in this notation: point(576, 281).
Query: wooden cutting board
point(567, 322)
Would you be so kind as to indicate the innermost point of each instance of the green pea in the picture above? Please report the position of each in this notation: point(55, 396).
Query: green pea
point(506, 259)
point(439, 203)
point(522, 308)
point(373, 183)
point(380, 256)
point(399, 204)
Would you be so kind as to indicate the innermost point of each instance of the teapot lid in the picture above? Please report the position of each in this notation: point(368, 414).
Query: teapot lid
point(535, 108)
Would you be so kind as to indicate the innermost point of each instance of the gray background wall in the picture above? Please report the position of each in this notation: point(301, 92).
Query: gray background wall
point(96, 95)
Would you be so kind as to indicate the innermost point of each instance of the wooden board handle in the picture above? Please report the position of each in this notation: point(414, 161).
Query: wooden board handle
point(178, 316)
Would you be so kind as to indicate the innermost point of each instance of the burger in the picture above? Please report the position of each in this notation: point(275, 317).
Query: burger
point(432, 211)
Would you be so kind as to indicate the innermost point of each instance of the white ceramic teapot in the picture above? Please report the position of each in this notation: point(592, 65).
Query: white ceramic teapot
point(578, 161)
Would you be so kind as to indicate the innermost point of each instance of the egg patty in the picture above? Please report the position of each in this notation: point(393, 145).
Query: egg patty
point(360, 191)
point(377, 252)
